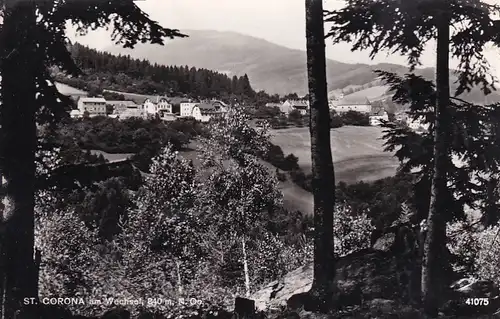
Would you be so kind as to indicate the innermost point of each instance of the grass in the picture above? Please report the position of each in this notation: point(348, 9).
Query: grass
point(373, 93)
point(357, 152)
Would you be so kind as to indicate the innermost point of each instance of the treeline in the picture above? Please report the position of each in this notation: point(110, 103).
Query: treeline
point(122, 73)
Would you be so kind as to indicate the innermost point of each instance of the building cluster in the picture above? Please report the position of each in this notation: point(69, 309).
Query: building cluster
point(165, 108)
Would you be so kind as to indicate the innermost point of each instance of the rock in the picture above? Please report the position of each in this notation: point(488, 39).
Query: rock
point(470, 296)
point(350, 293)
point(364, 275)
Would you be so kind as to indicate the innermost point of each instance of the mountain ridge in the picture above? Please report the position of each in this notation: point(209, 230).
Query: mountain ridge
point(271, 67)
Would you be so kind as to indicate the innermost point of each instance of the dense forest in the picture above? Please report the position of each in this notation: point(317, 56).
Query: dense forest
point(122, 73)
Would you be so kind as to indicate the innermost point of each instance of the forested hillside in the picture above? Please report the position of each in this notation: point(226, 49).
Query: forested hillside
point(122, 73)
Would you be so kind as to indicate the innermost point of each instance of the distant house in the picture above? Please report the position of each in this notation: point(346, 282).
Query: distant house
point(131, 112)
point(176, 103)
point(94, 106)
point(357, 104)
point(292, 105)
point(152, 108)
point(121, 106)
point(220, 106)
point(186, 108)
point(376, 120)
point(164, 106)
point(203, 111)
point(75, 114)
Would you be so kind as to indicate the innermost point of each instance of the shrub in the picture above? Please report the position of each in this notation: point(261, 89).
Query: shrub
point(477, 252)
point(351, 232)
point(355, 118)
point(487, 262)
point(335, 120)
point(463, 245)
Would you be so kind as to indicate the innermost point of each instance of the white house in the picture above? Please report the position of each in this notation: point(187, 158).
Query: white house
point(292, 105)
point(163, 105)
point(203, 111)
point(357, 104)
point(75, 114)
point(376, 120)
point(94, 106)
point(149, 107)
point(186, 108)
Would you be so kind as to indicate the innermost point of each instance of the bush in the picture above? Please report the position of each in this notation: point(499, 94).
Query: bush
point(277, 158)
point(281, 176)
point(477, 253)
point(488, 258)
point(355, 118)
point(352, 231)
point(300, 178)
point(335, 120)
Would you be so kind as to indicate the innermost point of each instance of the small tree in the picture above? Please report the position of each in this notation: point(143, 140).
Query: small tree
point(165, 214)
point(239, 189)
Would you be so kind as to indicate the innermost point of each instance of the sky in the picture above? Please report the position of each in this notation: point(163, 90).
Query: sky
point(278, 21)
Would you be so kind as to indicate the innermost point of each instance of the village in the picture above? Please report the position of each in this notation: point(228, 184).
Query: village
point(172, 108)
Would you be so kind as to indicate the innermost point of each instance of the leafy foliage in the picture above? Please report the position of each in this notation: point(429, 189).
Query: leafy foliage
point(472, 154)
point(352, 231)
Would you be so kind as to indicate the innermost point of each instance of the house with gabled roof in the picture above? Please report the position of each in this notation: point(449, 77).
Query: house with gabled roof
point(358, 104)
point(93, 106)
point(294, 105)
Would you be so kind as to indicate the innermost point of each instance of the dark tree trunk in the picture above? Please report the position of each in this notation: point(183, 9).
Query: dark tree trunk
point(491, 215)
point(323, 179)
point(434, 247)
point(18, 146)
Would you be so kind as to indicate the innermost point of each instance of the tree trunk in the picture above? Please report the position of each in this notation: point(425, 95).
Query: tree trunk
point(323, 179)
point(245, 268)
point(179, 277)
point(432, 264)
point(491, 215)
point(17, 153)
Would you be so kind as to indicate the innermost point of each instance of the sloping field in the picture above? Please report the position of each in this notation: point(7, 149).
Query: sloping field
point(373, 93)
point(68, 90)
point(137, 98)
point(357, 152)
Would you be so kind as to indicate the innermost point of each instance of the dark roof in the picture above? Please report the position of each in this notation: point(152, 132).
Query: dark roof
point(177, 100)
point(126, 103)
point(354, 100)
point(205, 106)
point(298, 104)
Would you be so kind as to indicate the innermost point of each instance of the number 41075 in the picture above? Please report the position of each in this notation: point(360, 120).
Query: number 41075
point(477, 301)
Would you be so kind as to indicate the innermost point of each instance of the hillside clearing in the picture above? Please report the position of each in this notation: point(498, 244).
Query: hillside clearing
point(357, 152)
